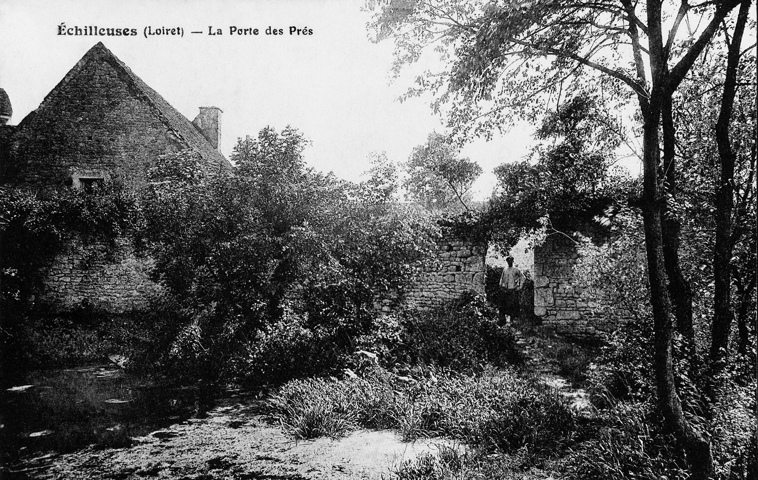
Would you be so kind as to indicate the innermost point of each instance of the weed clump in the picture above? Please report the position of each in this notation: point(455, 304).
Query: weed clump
point(495, 411)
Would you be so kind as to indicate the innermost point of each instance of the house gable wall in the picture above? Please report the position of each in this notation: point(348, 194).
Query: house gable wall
point(96, 124)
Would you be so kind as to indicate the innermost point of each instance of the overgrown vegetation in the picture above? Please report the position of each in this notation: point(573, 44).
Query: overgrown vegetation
point(271, 272)
point(34, 225)
point(461, 336)
point(274, 259)
point(495, 411)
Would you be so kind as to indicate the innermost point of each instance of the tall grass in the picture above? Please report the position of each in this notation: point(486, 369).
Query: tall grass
point(454, 464)
point(497, 410)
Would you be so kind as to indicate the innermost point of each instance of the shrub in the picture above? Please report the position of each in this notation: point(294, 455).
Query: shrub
point(733, 430)
point(461, 337)
point(288, 349)
point(34, 225)
point(55, 339)
point(314, 408)
point(630, 445)
point(275, 266)
point(60, 341)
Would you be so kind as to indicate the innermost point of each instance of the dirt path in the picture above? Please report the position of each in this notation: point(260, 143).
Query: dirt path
point(539, 363)
point(235, 441)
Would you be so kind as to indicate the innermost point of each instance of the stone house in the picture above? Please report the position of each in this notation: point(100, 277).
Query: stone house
point(102, 123)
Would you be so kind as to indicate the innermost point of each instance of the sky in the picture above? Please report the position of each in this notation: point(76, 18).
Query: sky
point(334, 85)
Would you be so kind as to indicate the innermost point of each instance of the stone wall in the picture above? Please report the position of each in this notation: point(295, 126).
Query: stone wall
point(101, 122)
point(97, 127)
point(107, 276)
point(558, 299)
point(457, 267)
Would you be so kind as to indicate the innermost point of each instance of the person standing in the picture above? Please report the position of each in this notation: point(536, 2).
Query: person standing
point(511, 282)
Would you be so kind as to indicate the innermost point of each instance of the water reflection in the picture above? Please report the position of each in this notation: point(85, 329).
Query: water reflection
point(65, 410)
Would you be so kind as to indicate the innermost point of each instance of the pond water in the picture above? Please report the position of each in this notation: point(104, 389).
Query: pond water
point(69, 409)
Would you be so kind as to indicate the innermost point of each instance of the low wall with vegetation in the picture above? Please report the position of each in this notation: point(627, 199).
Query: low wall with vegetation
point(456, 267)
point(105, 275)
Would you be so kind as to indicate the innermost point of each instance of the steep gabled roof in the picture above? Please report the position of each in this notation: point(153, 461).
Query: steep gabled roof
point(174, 120)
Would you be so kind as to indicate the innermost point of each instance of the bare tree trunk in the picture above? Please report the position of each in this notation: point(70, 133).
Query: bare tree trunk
point(723, 314)
point(744, 293)
point(696, 446)
point(679, 288)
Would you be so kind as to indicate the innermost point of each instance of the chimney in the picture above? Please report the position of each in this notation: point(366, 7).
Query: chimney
point(208, 122)
point(5, 107)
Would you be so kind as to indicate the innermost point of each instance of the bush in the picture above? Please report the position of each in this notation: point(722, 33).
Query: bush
point(463, 336)
point(314, 408)
point(733, 430)
point(46, 339)
point(288, 349)
point(34, 226)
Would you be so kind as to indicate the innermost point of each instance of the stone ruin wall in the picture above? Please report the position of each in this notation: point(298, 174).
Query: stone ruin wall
point(457, 266)
point(558, 299)
point(107, 276)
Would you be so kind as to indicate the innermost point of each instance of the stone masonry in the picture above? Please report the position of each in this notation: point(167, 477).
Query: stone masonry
point(558, 299)
point(457, 267)
point(102, 123)
point(106, 276)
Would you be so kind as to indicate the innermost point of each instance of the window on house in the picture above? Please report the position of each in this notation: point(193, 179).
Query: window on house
point(89, 185)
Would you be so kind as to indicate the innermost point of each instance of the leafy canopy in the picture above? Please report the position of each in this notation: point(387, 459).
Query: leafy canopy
point(437, 177)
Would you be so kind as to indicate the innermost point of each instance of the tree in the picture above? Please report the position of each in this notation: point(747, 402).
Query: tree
point(727, 231)
point(508, 57)
point(571, 184)
point(240, 253)
point(437, 177)
point(382, 183)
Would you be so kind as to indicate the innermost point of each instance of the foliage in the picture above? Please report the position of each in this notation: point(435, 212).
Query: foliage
point(288, 349)
point(437, 178)
point(733, 427)
point(313, 408)
point(630, 445)
point(614, 273)
point(34, 226)
point(462, 336)
point(632, 442)
point(453, 463)
point(492, 285)
point(47, 339)
point(572, 182)
point(506, 58)
point(382, 181)
point(496, 411)
point(575, 359)
point(238, 251)
point(624, 369)
point(699, 165)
